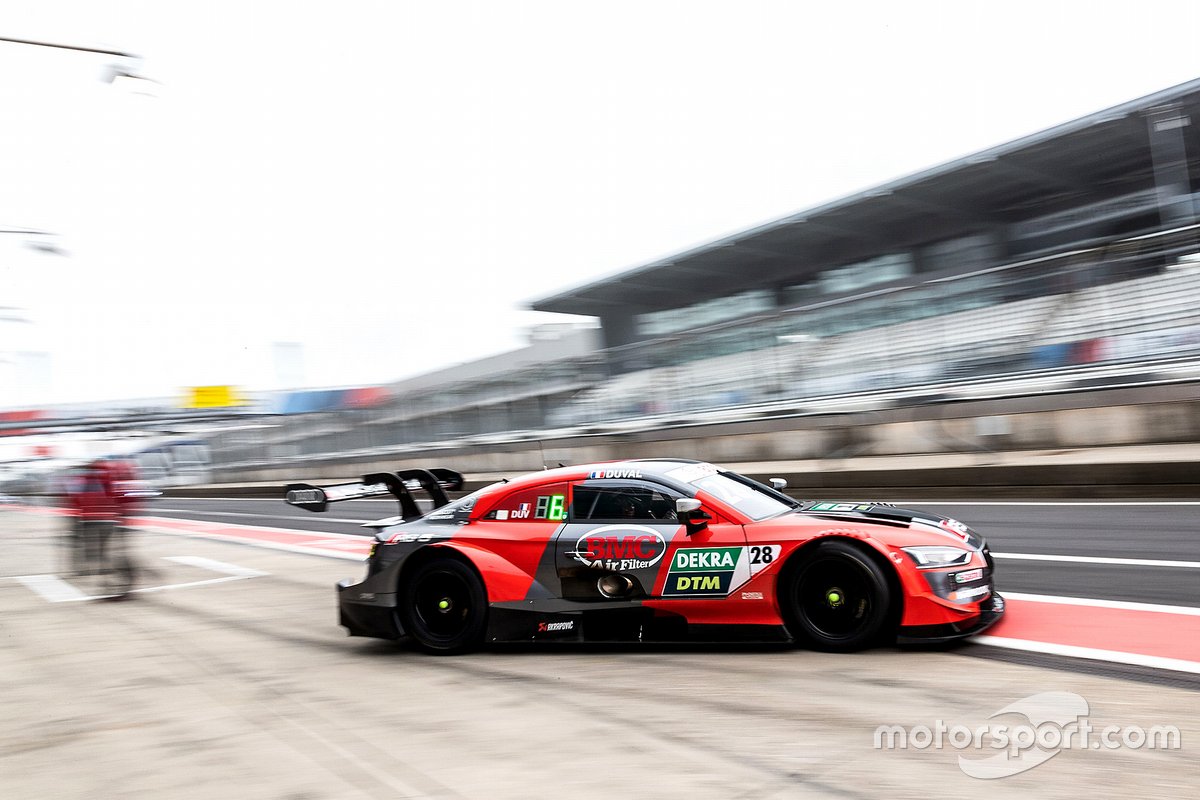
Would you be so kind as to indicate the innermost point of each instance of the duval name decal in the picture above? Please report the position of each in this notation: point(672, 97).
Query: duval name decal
point(615, 473)
point(620, 547)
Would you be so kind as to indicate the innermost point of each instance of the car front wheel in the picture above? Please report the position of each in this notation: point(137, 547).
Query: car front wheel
point(838, 598)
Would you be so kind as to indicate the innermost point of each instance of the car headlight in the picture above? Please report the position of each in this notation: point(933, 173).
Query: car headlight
point(938, 556)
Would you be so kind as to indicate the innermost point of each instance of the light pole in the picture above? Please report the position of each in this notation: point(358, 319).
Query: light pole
point(116, 74)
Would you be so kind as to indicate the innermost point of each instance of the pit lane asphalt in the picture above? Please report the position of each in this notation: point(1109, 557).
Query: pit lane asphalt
point(247, 688)
point(1133, 530)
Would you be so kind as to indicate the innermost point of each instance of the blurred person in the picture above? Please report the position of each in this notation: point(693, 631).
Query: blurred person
point(106, 494)
point(66, 488)
point(94, 505)
point(128, 492)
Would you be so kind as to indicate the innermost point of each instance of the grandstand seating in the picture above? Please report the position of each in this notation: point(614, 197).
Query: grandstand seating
point(1115, 321)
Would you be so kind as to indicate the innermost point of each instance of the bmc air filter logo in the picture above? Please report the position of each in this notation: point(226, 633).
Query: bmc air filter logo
point(620, 547)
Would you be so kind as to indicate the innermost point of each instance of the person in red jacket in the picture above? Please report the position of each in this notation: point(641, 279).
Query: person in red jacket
point(93, 504)
point(103, 497)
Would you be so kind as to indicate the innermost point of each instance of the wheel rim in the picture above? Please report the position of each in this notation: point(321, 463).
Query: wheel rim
point(442, 604)
point(836, 597)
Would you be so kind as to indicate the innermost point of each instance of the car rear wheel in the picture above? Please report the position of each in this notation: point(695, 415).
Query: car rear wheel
point(838, 598)
point(443, 606)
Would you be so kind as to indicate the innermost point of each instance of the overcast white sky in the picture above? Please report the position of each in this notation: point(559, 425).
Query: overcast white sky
point(388, 183)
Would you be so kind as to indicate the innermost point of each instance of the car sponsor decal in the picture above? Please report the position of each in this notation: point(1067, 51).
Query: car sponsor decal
point(414, 536)
point(968, 576)
point(841, 507)
point(957, 528)
point(620, 547)
point(960, 536)
point(968, 594)
point(715, 571)
point(616, 473)
point(552, 507)
point(692, 472)
point(555, 627)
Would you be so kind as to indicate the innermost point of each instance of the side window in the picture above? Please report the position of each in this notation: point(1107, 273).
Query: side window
point(641, 503)
point(537, 504)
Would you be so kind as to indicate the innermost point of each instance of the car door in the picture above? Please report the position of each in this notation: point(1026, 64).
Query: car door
point(629, 528)
point(614, 528)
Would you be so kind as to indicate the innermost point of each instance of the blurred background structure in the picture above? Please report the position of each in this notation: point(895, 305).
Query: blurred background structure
point(1064, 263)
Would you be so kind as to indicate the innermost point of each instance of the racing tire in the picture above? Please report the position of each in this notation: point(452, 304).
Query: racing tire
point(443, 607)
point(837, 598)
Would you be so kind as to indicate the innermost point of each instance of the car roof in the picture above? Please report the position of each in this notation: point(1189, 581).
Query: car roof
point(645, 467)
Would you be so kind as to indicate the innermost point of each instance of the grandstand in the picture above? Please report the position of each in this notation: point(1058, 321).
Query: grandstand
point(1072, 246)
point(885, 340)
point(1068, 249)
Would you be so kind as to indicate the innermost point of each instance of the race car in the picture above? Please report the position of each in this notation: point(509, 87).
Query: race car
point(655, 550)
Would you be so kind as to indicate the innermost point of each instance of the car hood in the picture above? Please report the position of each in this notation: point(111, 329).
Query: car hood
point(890, 516)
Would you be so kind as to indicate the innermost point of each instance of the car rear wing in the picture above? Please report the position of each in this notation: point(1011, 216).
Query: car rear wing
point(435, 482)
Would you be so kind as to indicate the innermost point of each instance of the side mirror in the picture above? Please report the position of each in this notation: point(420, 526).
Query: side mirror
point(691, 515)
point(778, 484)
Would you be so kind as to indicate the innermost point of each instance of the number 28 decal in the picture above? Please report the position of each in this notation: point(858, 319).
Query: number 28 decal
point(762, 556)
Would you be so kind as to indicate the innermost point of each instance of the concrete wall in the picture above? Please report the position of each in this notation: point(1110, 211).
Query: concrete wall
point(886, 447)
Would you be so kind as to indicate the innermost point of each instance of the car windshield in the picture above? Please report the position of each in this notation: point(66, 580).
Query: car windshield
point(752, 502)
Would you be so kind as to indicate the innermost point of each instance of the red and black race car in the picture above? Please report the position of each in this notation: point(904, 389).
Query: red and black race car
point(656, 550)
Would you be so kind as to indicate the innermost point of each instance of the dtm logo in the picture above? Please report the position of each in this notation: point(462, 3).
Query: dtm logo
point(620, 547)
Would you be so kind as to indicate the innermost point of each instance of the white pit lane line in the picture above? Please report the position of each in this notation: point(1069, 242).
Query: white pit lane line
point(309, 518)
point(1091, 653)
point(54, 589)
point(1127, 605)
point(1124, 562)
point(216, 566)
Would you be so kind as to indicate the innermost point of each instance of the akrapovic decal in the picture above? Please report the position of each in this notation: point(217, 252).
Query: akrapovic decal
point(620, 547)
point(555, 627)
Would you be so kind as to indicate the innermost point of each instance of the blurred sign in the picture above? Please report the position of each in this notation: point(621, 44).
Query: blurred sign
point(212, 397)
